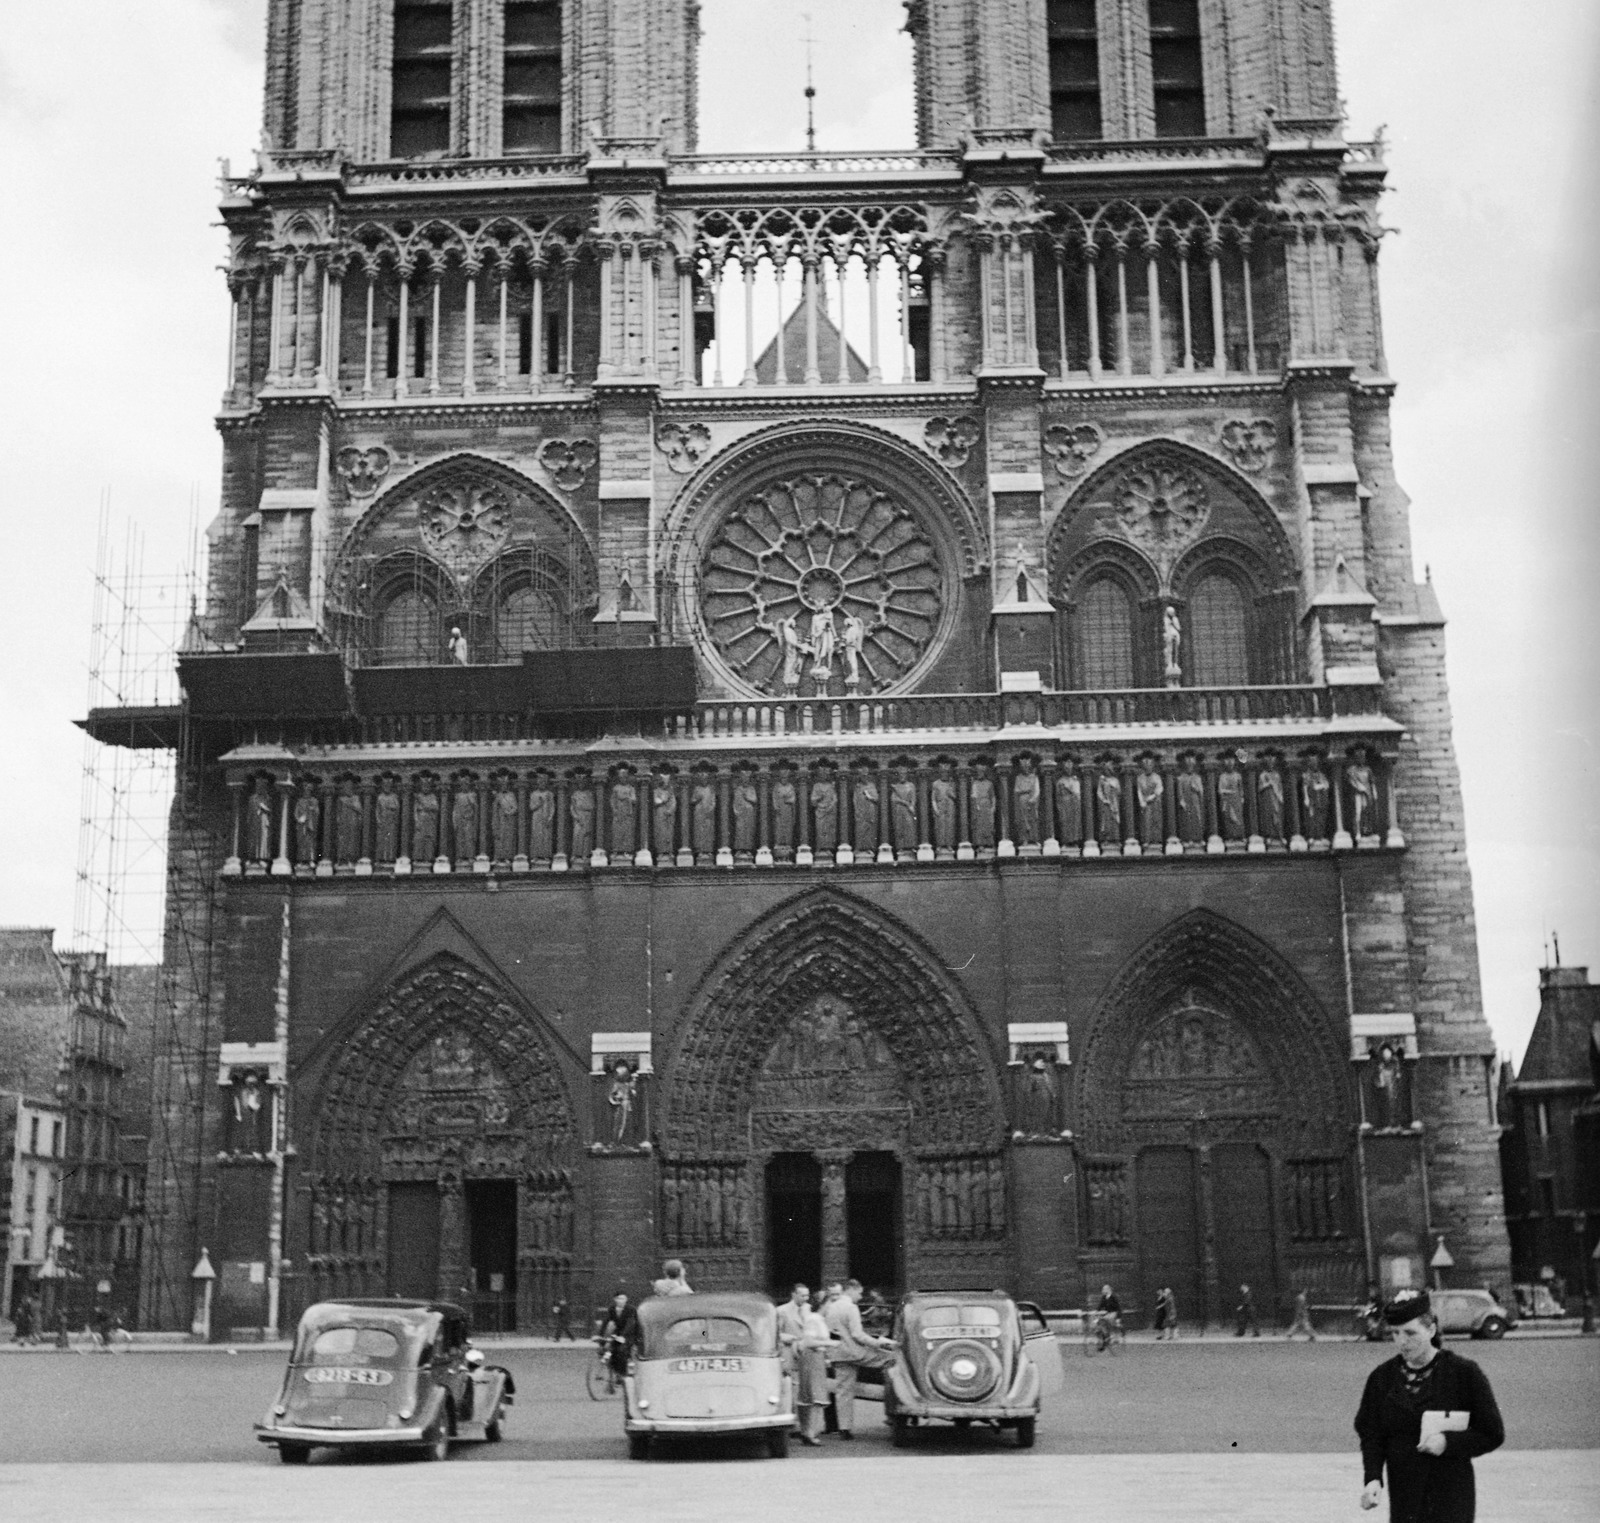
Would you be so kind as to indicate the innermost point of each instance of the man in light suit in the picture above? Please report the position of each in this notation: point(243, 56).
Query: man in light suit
point(791, 1323)
point(856, 1350)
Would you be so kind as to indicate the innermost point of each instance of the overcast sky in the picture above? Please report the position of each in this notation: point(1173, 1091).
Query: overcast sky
point(112, 117)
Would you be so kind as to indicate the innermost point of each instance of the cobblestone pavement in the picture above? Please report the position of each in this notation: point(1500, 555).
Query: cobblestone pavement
point(1544, 1486)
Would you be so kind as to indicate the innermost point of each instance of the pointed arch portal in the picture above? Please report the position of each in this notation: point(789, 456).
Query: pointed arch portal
point(832, 1108)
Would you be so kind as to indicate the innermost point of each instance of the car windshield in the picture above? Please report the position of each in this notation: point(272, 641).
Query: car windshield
point(348, 1345)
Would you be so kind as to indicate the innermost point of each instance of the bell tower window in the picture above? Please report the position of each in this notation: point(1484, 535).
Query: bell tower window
point(531, 96)
point(1074, 70)
point(1175, 66)
point(423, 45)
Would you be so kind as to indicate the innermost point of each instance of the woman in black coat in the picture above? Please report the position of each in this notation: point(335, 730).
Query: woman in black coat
point(1429, 1478)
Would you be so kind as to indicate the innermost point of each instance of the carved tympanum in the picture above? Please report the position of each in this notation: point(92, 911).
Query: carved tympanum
point(1196, 1061)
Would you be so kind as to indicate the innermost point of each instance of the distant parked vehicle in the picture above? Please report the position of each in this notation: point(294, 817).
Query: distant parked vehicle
point(1475, 1312)
point(1537, 1300)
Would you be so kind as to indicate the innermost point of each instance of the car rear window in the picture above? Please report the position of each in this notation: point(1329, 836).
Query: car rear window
point(959, 1316)
point(336, 1345)
point(704, 1335)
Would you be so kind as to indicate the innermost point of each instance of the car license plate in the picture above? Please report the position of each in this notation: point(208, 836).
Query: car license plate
point(333, 1374)
point(938, 1334)
point(707, 1366)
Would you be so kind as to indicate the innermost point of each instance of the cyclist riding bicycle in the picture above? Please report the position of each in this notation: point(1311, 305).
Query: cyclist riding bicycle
point(618, 1332)
point(1108, 1317)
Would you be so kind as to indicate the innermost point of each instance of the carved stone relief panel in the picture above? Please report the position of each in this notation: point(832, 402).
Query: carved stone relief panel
point(1196, 1062)
point(450, 1089)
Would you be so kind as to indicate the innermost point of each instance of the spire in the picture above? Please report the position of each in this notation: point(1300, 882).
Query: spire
point(811, 93)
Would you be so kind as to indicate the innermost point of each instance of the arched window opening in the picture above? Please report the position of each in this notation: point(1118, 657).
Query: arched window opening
point(1107, 629)
point(408, 630)
point(531, 617)
point(1219, 633)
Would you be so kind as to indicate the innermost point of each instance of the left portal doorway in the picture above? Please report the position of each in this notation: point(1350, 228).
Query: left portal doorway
point(414, 1240)
point(492, 1244)
point(794, 1222)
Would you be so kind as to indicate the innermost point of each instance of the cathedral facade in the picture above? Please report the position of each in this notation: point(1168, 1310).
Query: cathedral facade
point(958, 790)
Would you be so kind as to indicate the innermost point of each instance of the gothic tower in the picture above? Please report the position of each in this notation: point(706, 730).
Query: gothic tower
point(820, 712)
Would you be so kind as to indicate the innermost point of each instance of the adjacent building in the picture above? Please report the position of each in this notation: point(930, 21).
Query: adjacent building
point(958, 792)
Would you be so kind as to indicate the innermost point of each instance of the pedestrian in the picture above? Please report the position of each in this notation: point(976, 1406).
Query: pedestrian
point(1170, 1312)
point(63, 1337)
point(22, 1322)
point(561, 1318)
point(1245, 1314)
point(619, 1331)
point(811, 1373)
point(1424, 1416)
point(673, 1281)
point(102, 1328)
point(1160, 1318)
point(856, 1350)
point(791, 1323)
point(1302, 1317)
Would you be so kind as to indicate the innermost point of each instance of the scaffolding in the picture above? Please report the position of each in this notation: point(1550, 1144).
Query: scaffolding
point(142, 894)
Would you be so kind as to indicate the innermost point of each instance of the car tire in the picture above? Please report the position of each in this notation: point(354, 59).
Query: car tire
point(778, 1444)
point(1492, 1327)
point(900, 1433)
point(638, 1446)
point(294, 1454)
point(491, 1432)
point(438, 1447)
point(1025, 1433)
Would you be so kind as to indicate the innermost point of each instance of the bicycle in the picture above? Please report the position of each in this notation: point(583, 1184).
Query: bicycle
point(1103, 1333)
point(602, 1378)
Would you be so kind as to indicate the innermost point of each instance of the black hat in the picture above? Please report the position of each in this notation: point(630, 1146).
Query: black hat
point(1407, 1306)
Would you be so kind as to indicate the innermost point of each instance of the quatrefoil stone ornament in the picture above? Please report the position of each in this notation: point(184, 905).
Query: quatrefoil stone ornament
point(684, 445)
point(464, 525)
point(1073, 446)
point(569, 461)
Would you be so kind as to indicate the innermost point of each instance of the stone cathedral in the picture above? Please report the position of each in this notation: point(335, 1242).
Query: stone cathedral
point(814, 714)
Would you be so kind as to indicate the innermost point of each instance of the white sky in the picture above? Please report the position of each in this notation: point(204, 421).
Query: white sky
point(112, 117)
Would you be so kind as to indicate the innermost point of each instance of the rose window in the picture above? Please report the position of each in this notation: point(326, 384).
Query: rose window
point(821, 585)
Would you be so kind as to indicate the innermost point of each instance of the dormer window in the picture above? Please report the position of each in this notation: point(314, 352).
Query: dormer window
point(531, 93)
point(423, 52)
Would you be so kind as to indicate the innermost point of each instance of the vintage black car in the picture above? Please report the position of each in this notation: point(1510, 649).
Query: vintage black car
point(970, 1356)
point(400, 1374)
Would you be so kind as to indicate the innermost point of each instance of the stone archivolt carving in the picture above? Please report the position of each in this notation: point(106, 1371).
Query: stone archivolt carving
point(1249, 444)
point(443, 1074)
point(829, 982)
point(793, 561)
point(1073, 446)
point(569, 461)
point(465, 524)
point(363, 470)
point(684, 445)
point(952, 439)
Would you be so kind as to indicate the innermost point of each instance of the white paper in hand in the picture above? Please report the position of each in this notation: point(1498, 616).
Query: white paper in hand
point(1435, 1421)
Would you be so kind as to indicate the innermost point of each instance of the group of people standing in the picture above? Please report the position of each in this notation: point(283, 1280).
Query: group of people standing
point(825, 1330)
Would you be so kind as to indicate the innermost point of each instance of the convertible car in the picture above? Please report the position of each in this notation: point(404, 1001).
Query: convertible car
point(386, 1374)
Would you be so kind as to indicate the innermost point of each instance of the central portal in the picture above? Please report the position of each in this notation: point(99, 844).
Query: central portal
point(874, 1225)
point(794, 1223)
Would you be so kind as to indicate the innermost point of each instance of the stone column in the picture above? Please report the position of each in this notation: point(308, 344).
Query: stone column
point(1004, 843)
point(327, 827)
point(643, 845)
point(684, 784)
point(1293, 825)
point(480, 860)
point(964, 851)
point(844, 852)
point(234, 866)
point(520, 863)
point(282, 866)
point(924, 816)
point(1130, 809)
point(454, 1265)
point(1169, 807)
point(402, 861)
point(1252, 815)
point(835, 1224)
point(803, 855)
point(763, 817)
point(366, 788)
point(885, 823)
point(1386, 769)
point(725, 814)
point(687, 357)
point(1050, 842)
point(1214, 843)
point(560, 829)
point(1342, 839)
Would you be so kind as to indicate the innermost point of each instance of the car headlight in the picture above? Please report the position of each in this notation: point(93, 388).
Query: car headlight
point(405, 1413)
point(772, 1401)
point(279, 1410)
point(644, 1401)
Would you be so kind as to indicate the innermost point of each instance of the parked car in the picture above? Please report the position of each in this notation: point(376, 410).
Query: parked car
point(707, 1364)
point(1471, 1311)
point(1537, 1300)
point(970, 1356)
point(386, 1374)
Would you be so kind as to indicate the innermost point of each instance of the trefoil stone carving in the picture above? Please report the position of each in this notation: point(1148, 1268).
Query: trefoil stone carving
point(1073, 447)
point(569, 461)
point(1249, 444)
point(363, 470)
point(952, 439)
point(684, 445)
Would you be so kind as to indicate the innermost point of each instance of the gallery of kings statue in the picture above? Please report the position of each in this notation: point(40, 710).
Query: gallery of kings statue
point(813, 714)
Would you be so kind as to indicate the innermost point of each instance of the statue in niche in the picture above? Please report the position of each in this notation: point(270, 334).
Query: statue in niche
point(745, 807)
point(822, 643)
point(903, 812)
point(982, 797)
point(1390, 1108)
point(1363, 785)
point(663, 816)
point(347, 822)
point(1269, 800)
point(425, 822)
point(580, 809)
point(464, 819)
point(924, 1224)
point(1315, 800)
point(1230, 799)
point(853, 639)
point(249, 1099)
point(1036, 1095)
point(1025, 803)
point(703, 810)
point(794, 651)
point(1069, 804)
point(624, 1103)
point(864, 797)
point(503, 821)
point(785, 797)
point(942, 802)
point(459, 652)
point(261, 820)
point(671, 1224)
point(997, 1197)
point(541, 820)
point(307, 824)
point(1108, 799)
point(716, 1201)
point(1171, 643)
point(1150, 791)
point(624, 813)
point(825, 812)
point(1190, 791)
point(386, 821)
